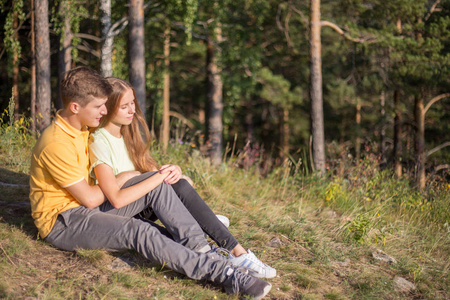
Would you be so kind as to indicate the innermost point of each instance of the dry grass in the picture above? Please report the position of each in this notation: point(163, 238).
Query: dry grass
point(326, 227)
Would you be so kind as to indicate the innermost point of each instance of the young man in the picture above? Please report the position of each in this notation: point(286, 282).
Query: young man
point(69, 213)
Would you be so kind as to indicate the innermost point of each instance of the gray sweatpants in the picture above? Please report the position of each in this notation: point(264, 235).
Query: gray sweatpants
point(115, 229)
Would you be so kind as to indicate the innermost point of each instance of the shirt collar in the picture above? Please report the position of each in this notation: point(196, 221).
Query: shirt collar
point(67, 128)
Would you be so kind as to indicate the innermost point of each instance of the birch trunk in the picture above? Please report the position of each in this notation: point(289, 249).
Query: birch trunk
point(107, 39)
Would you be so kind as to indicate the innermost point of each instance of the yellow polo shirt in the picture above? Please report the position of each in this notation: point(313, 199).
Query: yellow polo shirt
point(60, 159)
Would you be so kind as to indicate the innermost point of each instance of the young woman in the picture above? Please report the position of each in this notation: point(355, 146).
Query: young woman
point(120, 146)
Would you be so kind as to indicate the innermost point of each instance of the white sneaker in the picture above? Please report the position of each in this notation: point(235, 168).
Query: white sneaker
point(255, 267)
point(224, 220)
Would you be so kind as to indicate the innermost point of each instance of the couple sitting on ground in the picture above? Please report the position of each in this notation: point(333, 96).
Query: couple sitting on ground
point(132, 192)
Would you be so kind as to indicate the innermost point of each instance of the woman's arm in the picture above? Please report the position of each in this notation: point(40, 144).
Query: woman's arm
point(122, 197)
point(123, 177)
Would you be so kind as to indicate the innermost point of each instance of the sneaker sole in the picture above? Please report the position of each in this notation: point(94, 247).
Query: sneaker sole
point(257, 275)
point(265, 292)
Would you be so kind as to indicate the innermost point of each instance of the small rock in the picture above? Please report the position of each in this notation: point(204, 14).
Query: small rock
point(402, 285)
point(344, 263)
point(330, 214)
point(381, 255)
point(275, 243)
point(121, 263)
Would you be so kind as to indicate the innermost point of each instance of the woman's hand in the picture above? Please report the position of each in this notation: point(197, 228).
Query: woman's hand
point(174, 173)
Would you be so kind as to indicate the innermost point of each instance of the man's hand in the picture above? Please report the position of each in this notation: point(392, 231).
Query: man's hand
point(125, 176)
point(175, 173)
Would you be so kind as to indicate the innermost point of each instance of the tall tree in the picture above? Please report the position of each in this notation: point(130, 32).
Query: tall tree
point(137, 51)
point(65, 48)
point(33, 72)
point(166, 91)
point(14, 49)
point(317, 125)
point(43, 90)
point(107, 39)
point(214, 96)
point(398, 134)
point(277, 90)
point(420, 109)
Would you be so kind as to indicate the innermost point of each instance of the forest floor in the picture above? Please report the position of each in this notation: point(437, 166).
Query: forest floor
point(308, 242)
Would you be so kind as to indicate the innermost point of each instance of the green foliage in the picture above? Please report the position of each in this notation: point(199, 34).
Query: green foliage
point(11, 40)
point(75, 12)
point(277, 90)
point(17, 142)
point(190, 15)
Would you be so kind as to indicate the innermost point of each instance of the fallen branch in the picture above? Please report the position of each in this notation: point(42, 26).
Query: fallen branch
point(6, 254)
point(15, 185)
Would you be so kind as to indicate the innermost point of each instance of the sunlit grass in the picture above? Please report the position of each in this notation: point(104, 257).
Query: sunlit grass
point(327, 228)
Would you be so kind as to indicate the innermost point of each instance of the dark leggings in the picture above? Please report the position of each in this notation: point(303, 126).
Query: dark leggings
point(201, 212)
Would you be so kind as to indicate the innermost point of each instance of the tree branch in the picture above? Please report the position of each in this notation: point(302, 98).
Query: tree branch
point(300, 13)
point(196, 35)
point(346, 35)
point(432, 10)
point(88, 37)
point(442, 167)
point(117, 27)
point(182, 119)
point(88, 50)
point(435, 149)
point(435, 99)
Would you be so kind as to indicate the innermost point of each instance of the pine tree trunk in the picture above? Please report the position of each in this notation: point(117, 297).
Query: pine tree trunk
point(317, 125)
point(64, 53)
point(33, 74)
point(383, 127)
point(398, 135)
point(358, 129)
point(420, 141)
point(136, 51)
point(166, 92)
point(107, 39)
point(249, 126)
point(285, 132)
point(214, 101)
point(43, 88)
point(15, 77)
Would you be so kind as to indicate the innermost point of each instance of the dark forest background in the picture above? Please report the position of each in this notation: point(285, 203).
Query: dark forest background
point(247, 79)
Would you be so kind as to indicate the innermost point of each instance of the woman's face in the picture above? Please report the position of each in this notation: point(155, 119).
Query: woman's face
point(126, 109)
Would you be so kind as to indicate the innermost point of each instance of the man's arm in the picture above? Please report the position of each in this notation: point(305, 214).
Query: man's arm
point(89, 196)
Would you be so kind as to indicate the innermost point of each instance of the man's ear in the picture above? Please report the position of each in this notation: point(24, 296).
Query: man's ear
point(74, 107)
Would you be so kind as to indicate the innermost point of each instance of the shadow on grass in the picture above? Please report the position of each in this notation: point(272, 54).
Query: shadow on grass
point(14, 202)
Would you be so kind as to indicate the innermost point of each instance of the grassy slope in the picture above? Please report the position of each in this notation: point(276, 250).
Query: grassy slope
point(328, 229)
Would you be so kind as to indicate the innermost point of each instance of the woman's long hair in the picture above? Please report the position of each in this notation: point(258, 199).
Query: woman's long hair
point(136, 135)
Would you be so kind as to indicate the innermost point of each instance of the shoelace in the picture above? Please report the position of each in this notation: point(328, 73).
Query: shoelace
point(239, 279)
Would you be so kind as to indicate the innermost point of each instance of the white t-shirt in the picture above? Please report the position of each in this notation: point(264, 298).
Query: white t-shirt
point(105, 148)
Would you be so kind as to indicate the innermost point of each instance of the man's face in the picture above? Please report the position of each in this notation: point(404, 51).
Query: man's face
point(91, 114)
